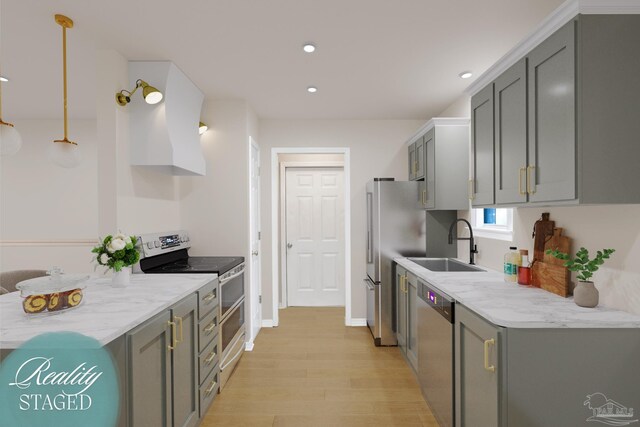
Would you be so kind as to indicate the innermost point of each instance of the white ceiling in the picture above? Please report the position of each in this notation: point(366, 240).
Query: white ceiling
point(376, 59)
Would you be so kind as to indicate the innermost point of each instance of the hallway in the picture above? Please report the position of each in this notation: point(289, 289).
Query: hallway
point(313, 371)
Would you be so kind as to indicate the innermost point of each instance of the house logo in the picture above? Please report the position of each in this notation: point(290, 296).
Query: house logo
point(608, 411)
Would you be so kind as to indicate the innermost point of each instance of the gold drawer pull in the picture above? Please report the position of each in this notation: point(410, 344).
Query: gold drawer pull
point(173, 344)
point(210, 297)
point(179, 321)
point(210, 328)
point(520, 171)
point(208, 391)
point(209, 359)
point(488, 367)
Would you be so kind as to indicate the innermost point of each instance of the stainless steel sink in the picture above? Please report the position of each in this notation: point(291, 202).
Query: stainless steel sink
point(445, 264)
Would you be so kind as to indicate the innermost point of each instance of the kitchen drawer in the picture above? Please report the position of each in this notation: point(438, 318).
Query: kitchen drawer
point(208, 359)
point(207, 298)
point(208, 391)
point(208, 329)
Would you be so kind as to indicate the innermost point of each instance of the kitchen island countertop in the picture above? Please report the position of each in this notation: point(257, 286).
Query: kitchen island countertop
point(514, 306)
point(106, 311)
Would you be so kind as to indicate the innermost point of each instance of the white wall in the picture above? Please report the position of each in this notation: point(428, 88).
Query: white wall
point(42, 202)
point(377, 149)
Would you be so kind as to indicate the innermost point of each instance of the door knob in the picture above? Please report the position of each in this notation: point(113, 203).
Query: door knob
point(254, 253)
point(289, 245)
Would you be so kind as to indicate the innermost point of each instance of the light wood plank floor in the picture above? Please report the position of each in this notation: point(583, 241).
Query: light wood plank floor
point(313, 371)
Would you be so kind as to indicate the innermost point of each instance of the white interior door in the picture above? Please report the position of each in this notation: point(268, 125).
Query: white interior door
point(256, 288)
point(315, 236)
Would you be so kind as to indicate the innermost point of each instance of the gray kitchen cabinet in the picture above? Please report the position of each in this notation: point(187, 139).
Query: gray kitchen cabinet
point(412, 162)
point(510, 116)
point(407, 315)
point(163, 368)
point(481, 191)
point(441, 150)
point(536, 377)
point(566, 119)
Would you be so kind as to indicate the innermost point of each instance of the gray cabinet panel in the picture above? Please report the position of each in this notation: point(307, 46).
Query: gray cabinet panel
point(510, 91)
point(552, 137)
point(150, 373)
point(412, 320)
point(477, 388)
point(401, 308)
point(420, 165)
point(430, 164)
point(412, 162)
point(207, 298)
point(185, 363)
point(482, 148)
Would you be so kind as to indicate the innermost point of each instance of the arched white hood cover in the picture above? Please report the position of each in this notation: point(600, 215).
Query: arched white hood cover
point(165, 135)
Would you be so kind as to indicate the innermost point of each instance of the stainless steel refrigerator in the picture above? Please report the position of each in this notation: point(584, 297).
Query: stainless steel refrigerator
point(397, 226)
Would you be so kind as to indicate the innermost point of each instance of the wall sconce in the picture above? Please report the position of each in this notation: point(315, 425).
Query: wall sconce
point(150, 94)
point(202, 128)
point(64, 152)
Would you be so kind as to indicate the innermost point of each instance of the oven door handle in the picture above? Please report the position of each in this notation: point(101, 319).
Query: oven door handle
point(226, 279)
point(235, 356)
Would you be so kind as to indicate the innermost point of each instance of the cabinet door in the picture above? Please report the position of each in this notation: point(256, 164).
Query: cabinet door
point(412, 320)
point(430, 173)
point(150, 373)
point(185, 363)
point(482, 147)
point(401, 308)
point(477, 370)
point(552, 138)
point(412, 162)
point(420, 164)
point(511, 134)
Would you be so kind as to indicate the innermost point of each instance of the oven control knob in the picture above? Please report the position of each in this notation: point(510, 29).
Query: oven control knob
point(150, 245)
point(156, 243)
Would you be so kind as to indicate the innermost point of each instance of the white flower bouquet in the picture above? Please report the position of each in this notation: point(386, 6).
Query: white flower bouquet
point(117, 252)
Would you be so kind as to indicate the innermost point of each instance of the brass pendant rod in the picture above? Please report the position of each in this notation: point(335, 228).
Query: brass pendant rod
point(64, 78)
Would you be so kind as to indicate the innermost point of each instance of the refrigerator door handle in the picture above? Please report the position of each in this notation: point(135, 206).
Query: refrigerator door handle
point(369, 284)
point(369, 228)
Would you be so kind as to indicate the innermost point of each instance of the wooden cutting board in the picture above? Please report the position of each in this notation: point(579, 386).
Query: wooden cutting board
point(550, 274)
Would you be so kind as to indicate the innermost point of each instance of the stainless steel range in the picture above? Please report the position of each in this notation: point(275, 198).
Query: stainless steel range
point(167, 253)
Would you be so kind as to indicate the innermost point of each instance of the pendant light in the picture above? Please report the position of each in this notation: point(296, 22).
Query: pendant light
point(64, 152)
point(10, 140)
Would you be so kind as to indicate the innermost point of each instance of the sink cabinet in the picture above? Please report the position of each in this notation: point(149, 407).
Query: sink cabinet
point(407, 315)
point(538, 377)
point(439, 158)
point(555, 127)
point(401, 309)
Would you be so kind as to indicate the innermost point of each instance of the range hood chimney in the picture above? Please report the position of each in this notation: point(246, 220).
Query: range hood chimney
point(165, 136)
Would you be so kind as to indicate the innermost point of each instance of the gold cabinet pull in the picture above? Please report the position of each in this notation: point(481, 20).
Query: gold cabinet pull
point(210, 328)
point(531, 189)
point(210, 297)
point(181, 332)
point(208, 391)
point(173, 344)
point(424, 197)
point(210, 358)
point(406, 288)
point(520, 171)
point(472, 194)
point(487, 343)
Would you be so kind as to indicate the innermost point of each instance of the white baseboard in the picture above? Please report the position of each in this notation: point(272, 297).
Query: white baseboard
point(248, 346)
point(358, 322)
point(267, 323)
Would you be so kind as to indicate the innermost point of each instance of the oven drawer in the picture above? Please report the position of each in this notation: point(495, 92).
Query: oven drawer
point(231, 358)
point(207, 330)
point(208, 391)
point(208, 359)
point(207, 298)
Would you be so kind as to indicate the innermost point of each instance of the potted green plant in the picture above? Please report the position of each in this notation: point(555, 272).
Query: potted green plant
point(585, 293)
point(118, 253)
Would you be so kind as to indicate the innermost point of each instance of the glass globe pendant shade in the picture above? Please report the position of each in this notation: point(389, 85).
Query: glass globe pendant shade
point(10, 140)
point(65, 154)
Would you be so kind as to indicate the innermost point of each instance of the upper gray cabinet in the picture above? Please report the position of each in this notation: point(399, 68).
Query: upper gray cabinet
point(557, 126)
point(440, 160)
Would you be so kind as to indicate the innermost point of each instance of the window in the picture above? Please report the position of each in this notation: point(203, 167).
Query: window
point(494, 223)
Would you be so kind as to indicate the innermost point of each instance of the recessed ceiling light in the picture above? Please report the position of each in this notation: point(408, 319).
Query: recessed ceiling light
point(465, 74)
point(3, 79)
point(308, 47)
point(312, 89)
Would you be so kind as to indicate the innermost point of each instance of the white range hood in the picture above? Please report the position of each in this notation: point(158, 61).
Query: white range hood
point(165, 136)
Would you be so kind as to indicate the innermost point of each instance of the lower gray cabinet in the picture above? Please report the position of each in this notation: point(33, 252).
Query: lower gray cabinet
point(401, 308)
point(163, 374)
point(407, 315)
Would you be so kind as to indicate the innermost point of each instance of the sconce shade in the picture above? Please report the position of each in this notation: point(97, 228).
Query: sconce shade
point(10, 140)
point(65, 154)
point(151, 95)
point(202, 128)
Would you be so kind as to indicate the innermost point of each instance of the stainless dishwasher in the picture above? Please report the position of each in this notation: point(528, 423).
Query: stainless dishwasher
point(435, 352)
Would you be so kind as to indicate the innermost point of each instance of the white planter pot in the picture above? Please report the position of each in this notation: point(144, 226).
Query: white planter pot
point(121, 278)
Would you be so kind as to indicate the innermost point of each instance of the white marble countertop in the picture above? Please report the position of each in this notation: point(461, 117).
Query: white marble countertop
point(515, 306)
point(105, 313)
